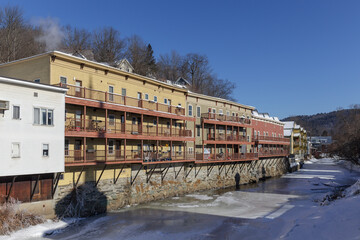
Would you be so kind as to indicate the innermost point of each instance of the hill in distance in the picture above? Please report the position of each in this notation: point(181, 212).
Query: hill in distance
point(321, 124)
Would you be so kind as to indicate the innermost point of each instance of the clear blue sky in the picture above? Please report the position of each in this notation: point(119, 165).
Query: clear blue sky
point(286, 57)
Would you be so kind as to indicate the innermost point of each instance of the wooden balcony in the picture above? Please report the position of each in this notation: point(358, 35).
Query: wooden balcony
point(271, 140)
point(101, 96)
point(97, 128)
point(93, 157)
point(224, 118)
point(225, 157)
point(222, 137)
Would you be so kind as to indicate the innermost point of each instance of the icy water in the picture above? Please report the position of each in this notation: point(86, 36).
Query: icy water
point(267, 210)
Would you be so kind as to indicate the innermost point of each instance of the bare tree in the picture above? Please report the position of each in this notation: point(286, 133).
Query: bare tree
point(141, 56)
point(170, 66)
point(17, 39)
point(108, 46)
point(76, 39)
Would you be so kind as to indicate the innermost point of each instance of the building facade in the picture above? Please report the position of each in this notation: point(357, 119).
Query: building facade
point(32, 138)
point(268, 135)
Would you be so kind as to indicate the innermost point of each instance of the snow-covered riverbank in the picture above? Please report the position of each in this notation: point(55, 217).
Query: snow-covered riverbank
point(283, 208)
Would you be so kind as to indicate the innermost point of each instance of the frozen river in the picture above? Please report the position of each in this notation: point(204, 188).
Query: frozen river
point(278, 208)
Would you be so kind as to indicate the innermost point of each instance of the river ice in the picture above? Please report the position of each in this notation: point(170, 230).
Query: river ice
point(281, 208)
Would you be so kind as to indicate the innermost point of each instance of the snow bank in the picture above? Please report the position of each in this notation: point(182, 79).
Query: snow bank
point(352, 190)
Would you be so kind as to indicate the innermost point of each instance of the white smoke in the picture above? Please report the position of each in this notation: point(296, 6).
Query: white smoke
point(51, 33)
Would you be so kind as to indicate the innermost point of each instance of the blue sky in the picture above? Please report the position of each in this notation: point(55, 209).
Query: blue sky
point(285, 57)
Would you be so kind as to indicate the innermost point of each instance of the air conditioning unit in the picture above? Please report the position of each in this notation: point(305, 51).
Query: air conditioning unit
point(4, 105)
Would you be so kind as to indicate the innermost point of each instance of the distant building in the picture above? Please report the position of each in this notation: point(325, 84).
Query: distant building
point(32, 138)
point(320, 143)
point(298, 140)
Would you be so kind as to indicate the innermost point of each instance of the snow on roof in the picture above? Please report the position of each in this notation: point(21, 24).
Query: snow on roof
point(287, 132)
point(289, 124)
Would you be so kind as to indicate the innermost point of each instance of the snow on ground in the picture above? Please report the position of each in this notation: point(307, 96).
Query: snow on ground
point(282, 208)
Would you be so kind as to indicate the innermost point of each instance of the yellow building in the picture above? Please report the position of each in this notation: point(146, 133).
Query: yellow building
point(113, 117)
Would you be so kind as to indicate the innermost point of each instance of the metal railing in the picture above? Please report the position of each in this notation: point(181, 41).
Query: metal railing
point(265, 153)
point(227, 137)
point(226, 156)
point(101, 156)
point(87, 93)
point(89, 125)
point(221, 117)
point(268, 138)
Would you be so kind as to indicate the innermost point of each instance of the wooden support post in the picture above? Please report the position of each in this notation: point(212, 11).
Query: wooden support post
point(106, 148)
point(84, 149)
point(203, 145)
point(84, 120)
point(11, 186)
point(157, 150)
point(171, 153)
point(170, 127)
point(142, 150)
point(157, 125)
point(125, 150)
point(106, 121)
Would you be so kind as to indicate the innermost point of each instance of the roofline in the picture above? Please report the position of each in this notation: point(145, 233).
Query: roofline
point(270, 120)
point(67, 56)
point(192, 94)
point(32, 84)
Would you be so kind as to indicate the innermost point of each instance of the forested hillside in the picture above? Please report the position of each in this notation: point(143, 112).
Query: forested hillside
point(321, 124)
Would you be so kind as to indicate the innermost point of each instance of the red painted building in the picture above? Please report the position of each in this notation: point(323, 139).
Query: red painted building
point(268, 135)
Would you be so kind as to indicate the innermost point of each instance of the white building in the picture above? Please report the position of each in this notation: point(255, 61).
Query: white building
point(32, 130)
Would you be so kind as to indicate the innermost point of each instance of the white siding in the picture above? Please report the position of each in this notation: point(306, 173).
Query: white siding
point(29, 136)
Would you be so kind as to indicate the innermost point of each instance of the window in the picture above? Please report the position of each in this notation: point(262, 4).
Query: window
point(198, 130)
point(165, 101)
point(139, 95)
point(63, 80)
point(190, 150)
point(111, 120)
point(111, 91)
point(111, 146)
point(43, 116)
point(258, 133)
point(220, 111)
point(37, 80)
point(15, 150)
point(198, 111)
point(123, 91)
point(16, 112)
point(169, 101)
point(214, 110)
point(227, 113)
point(45, 150)
point(233, 114)
point(146, 96)
point(134, 120)
point(168, 125)
point(190, 110)
point(155, 98)
point(66, 147)
point(180, 150)
point(155, 122)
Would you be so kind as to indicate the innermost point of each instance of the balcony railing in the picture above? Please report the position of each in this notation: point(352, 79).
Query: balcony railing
point(226, 156)
point(102, 96)
point(269, 153)
point(79, 125)
point(100, 156)
point(227, 137)
point(268, 138)
point(221, 117)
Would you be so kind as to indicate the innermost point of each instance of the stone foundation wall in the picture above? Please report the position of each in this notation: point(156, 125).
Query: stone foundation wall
point(140, 184)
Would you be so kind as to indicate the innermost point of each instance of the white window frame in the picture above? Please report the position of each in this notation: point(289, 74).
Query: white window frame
point(221, 112)
point(112, 123)
point(146, 96)
point(190, 150)
point(47, 110)
point(155, 99)
point(43, 149)
point(13, 155)
point(228, 113)
point(198, 111)
point(190, 112)
point(64, 78)
point(165, 101)
point(111, 151)
point(14, 106)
